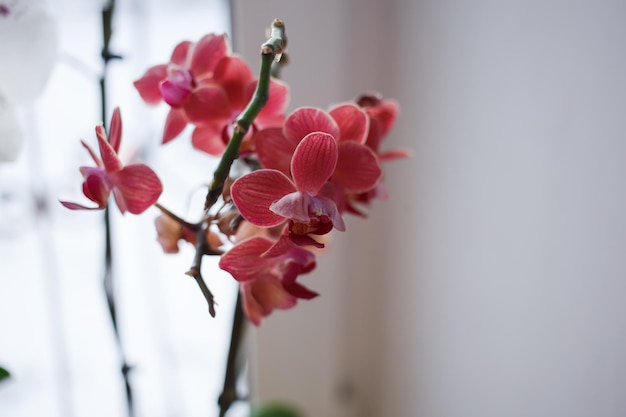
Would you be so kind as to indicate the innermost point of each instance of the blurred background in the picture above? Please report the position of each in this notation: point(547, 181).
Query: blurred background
point(490, 284)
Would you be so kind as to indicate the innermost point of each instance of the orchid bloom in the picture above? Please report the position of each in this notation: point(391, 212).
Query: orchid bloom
point(207, 86)
point(357, 169)
point(382, 114)
point(268, 280)
point(135, 187)
point(268, 197)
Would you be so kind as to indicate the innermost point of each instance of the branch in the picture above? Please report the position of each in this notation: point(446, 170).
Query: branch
point(270, 50)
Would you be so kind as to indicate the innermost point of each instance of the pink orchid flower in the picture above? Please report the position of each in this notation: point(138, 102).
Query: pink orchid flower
point(268, 281)
point(357, 166)
point(268, 197)
point(207, 86)
point(382, 114)
point(135, 187)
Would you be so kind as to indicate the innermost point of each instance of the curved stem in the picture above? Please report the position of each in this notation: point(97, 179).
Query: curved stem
point(269, 51)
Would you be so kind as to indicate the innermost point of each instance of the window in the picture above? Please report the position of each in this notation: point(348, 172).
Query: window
point(56, 336)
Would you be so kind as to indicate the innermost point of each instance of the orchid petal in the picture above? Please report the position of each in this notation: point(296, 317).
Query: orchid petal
point(306, 120)
point(244, 260)
point(329, 207)
point(148, 85)
point(305, 240)
point(115, 130)
point(174, 92)
point(274, 150)
point(96, 185)
point(261, 296)
point(208, 104)
point(139, 186)
point(299, 290)
point(180, 53)
point(234, 75)
point(253, 194)
point(352, 121)
point(294, 206)
point(313, 162)
point(358, 168)
point(206, 54)
point(76, 206)
point(175, 123)
point(109, 156)
point(386, 113)
point(208, 138)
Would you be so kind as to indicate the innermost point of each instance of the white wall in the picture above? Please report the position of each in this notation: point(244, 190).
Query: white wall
point(491, 284)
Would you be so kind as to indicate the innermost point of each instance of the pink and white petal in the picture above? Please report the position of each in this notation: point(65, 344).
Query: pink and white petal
point(314, 161)
point(329, 207)
point(148, 85)
point(139, 186)
point(206, 54)
point(208, 138)
point(180, 54)
point(234, 75)
point(244, 260)
point(109, 157)
point(306, 120)
point(277, 102)
point(358, 169)
point(293, 206)
point(352, 121)
point(274, 150)
point(253, 194)
point(207, 105)
point(115, 130)
point(175, 123)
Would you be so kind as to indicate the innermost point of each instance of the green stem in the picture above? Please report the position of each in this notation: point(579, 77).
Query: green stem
point(269, 51)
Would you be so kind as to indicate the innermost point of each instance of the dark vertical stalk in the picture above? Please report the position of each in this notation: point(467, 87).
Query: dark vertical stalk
point(235, 363)
point(109, 281)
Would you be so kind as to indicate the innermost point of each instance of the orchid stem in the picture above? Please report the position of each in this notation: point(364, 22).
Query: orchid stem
point(233, 364)
point(269, 50)
point(109, 281)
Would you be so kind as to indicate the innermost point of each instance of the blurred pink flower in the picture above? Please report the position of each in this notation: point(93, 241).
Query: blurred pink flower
point(268, 280)
point(135, 187)
point(207, 86)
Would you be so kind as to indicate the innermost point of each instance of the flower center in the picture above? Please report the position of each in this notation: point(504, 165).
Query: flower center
point(177, 86)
